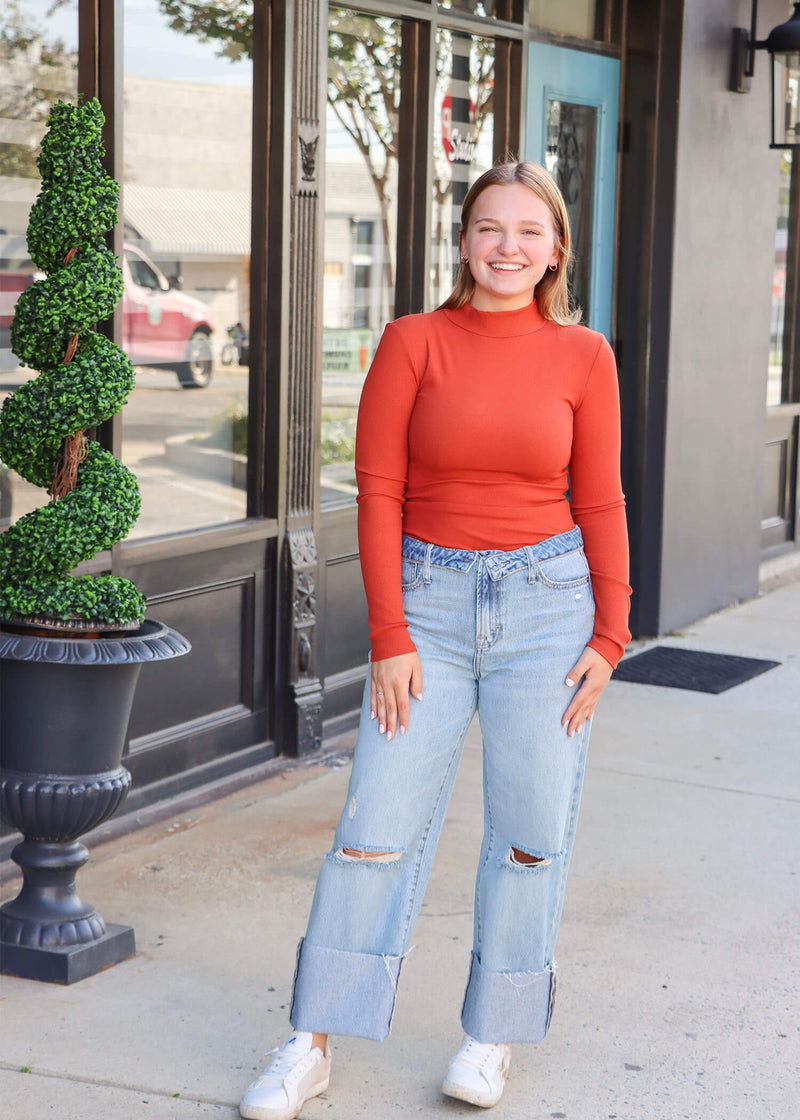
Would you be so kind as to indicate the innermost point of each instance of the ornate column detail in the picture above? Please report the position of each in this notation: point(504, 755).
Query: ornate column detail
point(303, 728)
point(302, 724)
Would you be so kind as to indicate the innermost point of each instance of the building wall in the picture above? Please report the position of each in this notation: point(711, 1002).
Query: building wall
point(724, 239)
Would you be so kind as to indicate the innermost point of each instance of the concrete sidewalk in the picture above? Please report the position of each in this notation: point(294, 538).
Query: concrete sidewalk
point(678, 989)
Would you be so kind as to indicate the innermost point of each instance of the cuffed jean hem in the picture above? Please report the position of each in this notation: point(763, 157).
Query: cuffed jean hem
point(339, 992)
point(508, 1006)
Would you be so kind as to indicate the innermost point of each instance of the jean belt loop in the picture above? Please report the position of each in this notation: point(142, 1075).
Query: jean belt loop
point(426, 568)
point(531, 563)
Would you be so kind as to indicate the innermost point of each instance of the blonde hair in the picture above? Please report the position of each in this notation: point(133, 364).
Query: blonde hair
point(551, 293)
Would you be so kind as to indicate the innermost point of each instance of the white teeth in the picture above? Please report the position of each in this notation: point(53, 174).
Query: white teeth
point(508, 267)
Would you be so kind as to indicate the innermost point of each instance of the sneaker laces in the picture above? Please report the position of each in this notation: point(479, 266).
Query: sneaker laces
point(286, 1058)
point(477, 1055)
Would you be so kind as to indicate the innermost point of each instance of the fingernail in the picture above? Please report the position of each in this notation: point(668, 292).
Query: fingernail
point(371, 713)
point(388, 737)
point(381, 728)
point(572, 734)
point(419, 696)
point(570, 683)
point(402, 729)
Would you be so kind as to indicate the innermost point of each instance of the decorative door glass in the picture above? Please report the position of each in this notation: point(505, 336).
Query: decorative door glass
point(571, 128)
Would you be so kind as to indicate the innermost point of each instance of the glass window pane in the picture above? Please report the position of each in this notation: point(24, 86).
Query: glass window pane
point(485, 8)
point(38, 66)
point(462, 143)
point(570, 159)
point(778, 379)
point(360, 224)
point(186, 198)
point(786, 98)
point(568, 17)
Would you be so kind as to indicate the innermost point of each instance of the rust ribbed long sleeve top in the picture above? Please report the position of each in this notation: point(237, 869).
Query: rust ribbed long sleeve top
point(472, 426)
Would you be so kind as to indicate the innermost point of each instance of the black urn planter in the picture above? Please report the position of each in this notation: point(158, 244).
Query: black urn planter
point(64, 710)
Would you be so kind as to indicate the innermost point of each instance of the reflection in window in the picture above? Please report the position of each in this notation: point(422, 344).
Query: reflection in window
point(570, 159)
point(568, 17)
point(779, 380)
point(38, 66)
point(188, 112)
point(486, 8)
point(360, 224)
point(462, 143)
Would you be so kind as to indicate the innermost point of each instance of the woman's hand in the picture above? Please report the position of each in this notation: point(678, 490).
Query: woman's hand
point(596, 673)
point(391, 682)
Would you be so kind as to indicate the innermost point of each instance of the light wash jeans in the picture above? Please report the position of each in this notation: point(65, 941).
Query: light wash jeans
point(497, 632)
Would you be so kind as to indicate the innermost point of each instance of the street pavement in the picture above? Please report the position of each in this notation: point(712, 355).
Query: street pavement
point(678, 992)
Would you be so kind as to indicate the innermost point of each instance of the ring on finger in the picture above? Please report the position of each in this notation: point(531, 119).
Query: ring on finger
point(379, 692)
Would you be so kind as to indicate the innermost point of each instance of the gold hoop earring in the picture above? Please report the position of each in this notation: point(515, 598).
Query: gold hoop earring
point(465, 260)
point(553, 267)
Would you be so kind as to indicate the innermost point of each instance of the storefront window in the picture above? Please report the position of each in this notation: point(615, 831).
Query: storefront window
point(186, 199)
point(360, 226)
point(782, 382)
point(783, 317)
point(485, 8)
point(38, 66)
point(567, 17)
point(570, 159)
point(462, 143)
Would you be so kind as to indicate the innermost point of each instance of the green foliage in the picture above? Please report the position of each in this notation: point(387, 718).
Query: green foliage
point(23, 33)
point(64, 399)
point(338, 442)
point(68, 302)
point(228, 430)
point(229, 23)
point(77, 205)
point(364, 86)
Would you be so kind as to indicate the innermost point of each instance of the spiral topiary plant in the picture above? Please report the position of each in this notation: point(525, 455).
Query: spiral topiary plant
point(85, 380)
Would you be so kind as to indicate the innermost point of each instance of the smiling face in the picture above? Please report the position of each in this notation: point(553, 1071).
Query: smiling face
point(510, 241)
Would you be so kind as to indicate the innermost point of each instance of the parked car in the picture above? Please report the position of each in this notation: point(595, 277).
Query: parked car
point(161, 325)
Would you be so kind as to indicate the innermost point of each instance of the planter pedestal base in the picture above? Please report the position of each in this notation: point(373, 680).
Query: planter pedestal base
point(64, 708)
point(65, 964)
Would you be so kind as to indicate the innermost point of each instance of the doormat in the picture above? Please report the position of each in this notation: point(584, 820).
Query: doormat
point(669, 667)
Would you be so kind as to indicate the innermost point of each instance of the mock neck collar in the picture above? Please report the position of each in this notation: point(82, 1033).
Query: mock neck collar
point(498, 324)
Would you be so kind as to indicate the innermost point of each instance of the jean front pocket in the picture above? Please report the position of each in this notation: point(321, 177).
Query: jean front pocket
point(564, 572)
point(411, 573)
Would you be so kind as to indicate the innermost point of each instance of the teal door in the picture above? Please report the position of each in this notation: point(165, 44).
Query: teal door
point(573, 109)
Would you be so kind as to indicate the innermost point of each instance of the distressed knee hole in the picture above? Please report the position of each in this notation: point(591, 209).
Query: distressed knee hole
point(357, 854)
point(525, 859)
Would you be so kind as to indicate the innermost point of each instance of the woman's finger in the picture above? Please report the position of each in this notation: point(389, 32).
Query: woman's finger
point(391, 714)
point(380, 709)
point(595, 672)
point(390, 682)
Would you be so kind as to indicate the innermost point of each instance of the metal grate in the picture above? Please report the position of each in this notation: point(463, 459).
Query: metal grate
point(670, 667)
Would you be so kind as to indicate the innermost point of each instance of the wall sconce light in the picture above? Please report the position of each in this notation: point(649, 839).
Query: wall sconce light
point(783, 45)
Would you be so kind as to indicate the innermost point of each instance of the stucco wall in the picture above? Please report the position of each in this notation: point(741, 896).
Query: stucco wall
point(724, 236)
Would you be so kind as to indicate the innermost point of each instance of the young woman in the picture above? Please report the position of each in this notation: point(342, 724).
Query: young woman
point(494, 554)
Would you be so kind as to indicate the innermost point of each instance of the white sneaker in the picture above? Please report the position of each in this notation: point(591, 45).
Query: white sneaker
point(297, 1072)
point(478, 1072)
